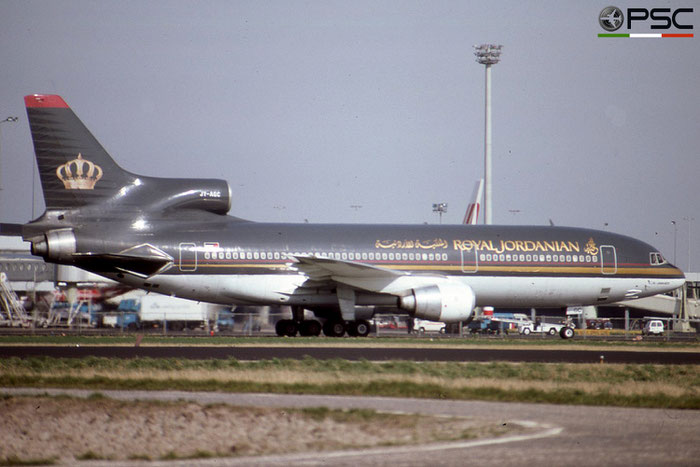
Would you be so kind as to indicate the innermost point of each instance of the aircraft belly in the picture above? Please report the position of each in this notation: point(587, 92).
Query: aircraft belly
point(549, 291)
point(262, 288)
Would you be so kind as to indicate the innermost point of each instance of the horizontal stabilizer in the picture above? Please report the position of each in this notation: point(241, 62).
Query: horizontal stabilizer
point(11, 230)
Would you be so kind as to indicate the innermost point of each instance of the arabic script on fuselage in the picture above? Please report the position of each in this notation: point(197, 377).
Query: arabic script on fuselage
point(413, 244)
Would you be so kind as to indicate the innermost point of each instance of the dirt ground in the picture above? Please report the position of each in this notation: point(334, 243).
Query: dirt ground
point(65, 429)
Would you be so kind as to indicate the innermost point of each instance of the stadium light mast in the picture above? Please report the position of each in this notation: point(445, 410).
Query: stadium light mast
point(440, 208)
point(488, 54)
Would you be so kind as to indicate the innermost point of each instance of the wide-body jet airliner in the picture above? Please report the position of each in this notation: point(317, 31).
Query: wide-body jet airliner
point(173, 236)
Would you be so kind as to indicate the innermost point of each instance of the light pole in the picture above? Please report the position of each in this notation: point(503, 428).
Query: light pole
point(689, 219)
point(488, 54)
point(675, 237)
point(440, 208)
point(7, 120)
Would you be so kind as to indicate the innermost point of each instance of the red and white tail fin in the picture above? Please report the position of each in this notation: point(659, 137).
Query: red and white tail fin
point(472, 215)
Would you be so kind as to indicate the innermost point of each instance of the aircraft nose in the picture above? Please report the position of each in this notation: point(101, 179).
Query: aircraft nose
point(679, 278)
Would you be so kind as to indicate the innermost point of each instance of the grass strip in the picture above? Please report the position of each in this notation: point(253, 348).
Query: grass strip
point(667, 386)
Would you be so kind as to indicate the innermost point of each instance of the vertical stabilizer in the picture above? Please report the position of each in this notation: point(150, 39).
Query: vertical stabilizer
point(471, 217)
point(74, 168)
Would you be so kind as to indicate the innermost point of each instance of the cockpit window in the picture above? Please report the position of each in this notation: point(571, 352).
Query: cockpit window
point(656, 258)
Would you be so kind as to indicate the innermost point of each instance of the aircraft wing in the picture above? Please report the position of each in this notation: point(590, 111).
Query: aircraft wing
point(359, 275)
point(430, 296)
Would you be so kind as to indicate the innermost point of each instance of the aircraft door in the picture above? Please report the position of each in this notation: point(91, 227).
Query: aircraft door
point(188, 257)
point(470, 260)
point(608, 258)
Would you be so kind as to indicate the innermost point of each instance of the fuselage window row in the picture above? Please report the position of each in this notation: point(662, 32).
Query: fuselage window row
point(506, 258)
point(345, 256)
point(383, 256)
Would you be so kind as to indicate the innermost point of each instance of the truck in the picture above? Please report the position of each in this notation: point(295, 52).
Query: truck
point(121, 320)
point(564, 331)
point(154, 310)
point(178, 313)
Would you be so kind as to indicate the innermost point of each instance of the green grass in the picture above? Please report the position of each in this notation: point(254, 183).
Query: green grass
point(669, 386)
point(13, 460)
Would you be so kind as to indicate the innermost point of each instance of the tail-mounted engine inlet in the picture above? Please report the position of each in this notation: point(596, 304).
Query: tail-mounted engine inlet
point(55, 245)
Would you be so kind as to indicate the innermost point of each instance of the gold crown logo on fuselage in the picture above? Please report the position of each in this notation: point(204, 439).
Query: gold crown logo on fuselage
point(79, 174)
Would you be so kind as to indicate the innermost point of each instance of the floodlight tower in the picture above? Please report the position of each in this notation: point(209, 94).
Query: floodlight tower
point(440, 208)
point(488, 54)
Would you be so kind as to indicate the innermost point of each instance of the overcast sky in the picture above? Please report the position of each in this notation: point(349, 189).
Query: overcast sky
point(310, 109)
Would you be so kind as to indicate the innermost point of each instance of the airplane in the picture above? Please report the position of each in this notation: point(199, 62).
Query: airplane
point(471, 216)
point(613, 18)
point(174, 236)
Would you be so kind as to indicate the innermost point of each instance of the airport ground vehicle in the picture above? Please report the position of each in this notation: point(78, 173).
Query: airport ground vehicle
point(653, 327)
point(155, 310)
point(421, 326)
point(487, 325)
point(225, 321)
point(122, 320)
point(566, 332)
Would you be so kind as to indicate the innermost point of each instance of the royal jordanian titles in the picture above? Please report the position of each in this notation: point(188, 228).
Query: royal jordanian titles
point(173, 236)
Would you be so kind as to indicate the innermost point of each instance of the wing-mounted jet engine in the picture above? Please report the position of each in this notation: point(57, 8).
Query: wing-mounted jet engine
point(446, 301)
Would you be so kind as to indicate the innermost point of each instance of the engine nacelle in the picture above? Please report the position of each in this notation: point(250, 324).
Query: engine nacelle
point(201, 194)
point(446, 301)
point(55, 245)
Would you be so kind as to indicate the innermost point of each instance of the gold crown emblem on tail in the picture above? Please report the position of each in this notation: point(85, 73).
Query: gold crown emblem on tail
point(79, 174)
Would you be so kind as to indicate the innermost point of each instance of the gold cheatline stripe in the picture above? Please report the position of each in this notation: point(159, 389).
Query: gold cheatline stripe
point(543, 269)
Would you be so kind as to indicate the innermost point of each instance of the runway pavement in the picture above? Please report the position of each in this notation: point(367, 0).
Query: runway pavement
point(563, 435)
point(358, 353)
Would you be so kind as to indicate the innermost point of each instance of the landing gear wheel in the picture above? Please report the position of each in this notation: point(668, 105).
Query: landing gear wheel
point(334, 328)
point(279, 327)
point(361, 328)
point(566, 333)
point(310, 327)
point(286, 327)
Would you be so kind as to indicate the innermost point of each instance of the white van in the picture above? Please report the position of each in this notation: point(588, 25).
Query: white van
point(654, 326)
point(421, 326)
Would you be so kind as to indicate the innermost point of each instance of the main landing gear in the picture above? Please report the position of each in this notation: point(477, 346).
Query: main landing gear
point(331, 328)
point(290, 327)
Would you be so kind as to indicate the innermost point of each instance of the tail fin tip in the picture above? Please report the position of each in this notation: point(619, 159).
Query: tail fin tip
point(45, 101)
